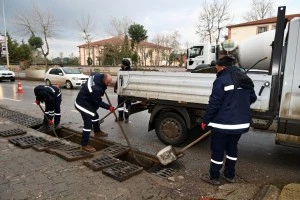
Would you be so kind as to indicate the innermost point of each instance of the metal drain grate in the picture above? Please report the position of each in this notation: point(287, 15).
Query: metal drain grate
point(122, 171)
point(101, 162)
point(115, 150)
point(163, 172)
point(20, 118)
point(12, 132)
point(47, 145)
point(27, 141)
point(73, 155)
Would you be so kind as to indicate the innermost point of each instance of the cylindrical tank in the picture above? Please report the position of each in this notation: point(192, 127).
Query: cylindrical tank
point(253, 49)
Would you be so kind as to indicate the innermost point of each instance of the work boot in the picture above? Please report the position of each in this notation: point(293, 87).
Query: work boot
point(57, 126)
point(126, 120)
point(229, 180)
point(88, 148)
point(100, 134)
point(208, 179)
point(119, 119)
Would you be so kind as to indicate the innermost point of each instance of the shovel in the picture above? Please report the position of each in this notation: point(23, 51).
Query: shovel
point(48, 120)
point(168, 154)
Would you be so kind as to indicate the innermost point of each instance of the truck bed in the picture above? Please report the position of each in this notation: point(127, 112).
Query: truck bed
point(182, 87)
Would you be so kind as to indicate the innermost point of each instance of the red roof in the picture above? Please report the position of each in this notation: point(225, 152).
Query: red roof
point(264, 21)
point(119, 41)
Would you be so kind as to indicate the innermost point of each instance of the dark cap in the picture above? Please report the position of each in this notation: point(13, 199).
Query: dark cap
point(125, 62)
point(225, 61)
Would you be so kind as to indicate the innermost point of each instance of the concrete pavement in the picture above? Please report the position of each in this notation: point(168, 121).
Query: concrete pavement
point(28, 174)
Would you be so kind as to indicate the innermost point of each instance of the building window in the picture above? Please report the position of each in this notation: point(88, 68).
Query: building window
point(273, 27)
point(262, 29)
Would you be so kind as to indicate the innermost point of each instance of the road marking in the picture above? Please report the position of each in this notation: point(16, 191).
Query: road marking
point(74, 111)
point(10, 99)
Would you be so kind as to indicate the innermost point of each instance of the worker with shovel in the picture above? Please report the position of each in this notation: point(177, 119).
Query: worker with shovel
point(88, 100)
point(228, 115)
point(52, 97)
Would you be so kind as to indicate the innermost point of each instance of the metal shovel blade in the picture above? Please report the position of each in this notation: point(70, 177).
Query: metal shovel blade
point(167, 155)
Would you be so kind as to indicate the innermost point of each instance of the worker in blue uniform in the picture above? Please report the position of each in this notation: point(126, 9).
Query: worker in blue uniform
point(88, 100)
point(228, 115)
point(52, 97)
point(124, 104)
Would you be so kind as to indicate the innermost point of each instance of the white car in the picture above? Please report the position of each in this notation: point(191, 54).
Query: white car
point(6, 74)
point(65, 76)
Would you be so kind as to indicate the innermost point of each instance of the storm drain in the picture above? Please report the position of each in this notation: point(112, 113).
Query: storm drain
point(122, 171)
point(20, 118)
point(115, 150)
point(73, 155)
point(47, 145)
point(27, 141)
point(12, 132)
point(163, 172)
point(101, 162)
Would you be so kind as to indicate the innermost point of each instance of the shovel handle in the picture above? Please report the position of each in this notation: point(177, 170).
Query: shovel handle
point(48, 120)
point(102, 119)
point(194, 142)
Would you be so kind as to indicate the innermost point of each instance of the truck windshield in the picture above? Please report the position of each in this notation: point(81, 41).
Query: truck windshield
point(195, 51)
point(68, 70)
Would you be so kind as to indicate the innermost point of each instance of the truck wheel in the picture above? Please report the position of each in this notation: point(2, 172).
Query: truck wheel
point(171, 129)
point(69, 85)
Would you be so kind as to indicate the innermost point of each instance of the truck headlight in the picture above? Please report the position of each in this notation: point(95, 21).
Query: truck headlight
point(75, 78)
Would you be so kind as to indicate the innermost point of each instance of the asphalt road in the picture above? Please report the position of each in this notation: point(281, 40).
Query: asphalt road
point(260, 160)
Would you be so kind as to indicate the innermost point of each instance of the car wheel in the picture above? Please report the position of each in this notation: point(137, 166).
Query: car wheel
point(12, 79)
point(48, 82)
point(171, 129)
point(69, 85)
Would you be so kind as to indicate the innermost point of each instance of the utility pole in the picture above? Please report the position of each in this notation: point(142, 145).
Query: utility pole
point(7, 56)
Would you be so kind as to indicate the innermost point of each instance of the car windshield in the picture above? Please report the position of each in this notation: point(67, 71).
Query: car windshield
point(2, 68)
point(68, 70)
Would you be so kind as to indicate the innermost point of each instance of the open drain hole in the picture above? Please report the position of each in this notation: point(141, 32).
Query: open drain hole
point(123, 170)
point(108, 148)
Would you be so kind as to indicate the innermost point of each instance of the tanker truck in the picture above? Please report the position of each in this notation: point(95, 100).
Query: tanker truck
point(177, 101)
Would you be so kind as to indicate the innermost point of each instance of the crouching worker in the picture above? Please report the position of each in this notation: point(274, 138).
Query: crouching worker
point(88, 100)
point(51, 95)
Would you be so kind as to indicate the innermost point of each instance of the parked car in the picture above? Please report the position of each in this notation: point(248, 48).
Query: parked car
point(6, 74)
point(65, 76)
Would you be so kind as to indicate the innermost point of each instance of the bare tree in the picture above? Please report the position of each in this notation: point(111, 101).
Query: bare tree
point(86, 27)
point(170, 40)
point(213, 19)
point(260, 9)
point(119, 27)
point(39, 23)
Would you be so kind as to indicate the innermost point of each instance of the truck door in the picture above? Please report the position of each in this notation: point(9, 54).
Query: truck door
point(289, 113)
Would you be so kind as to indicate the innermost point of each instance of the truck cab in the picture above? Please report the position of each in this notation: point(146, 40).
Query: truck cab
point(200, 55)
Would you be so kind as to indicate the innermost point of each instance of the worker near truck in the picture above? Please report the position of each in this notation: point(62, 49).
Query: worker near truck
point(51, 96)
point(228, 115)
point(124, 104)
point(88, 101)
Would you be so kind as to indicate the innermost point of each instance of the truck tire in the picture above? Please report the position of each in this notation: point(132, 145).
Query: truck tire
point(171, 129)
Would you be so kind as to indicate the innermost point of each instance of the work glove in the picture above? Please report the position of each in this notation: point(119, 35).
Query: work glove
point(203, 126)
point(50, 122)
point(37, 102)
point(111, 108)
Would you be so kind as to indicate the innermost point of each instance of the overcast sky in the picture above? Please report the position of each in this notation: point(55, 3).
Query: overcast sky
point(157, 16)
